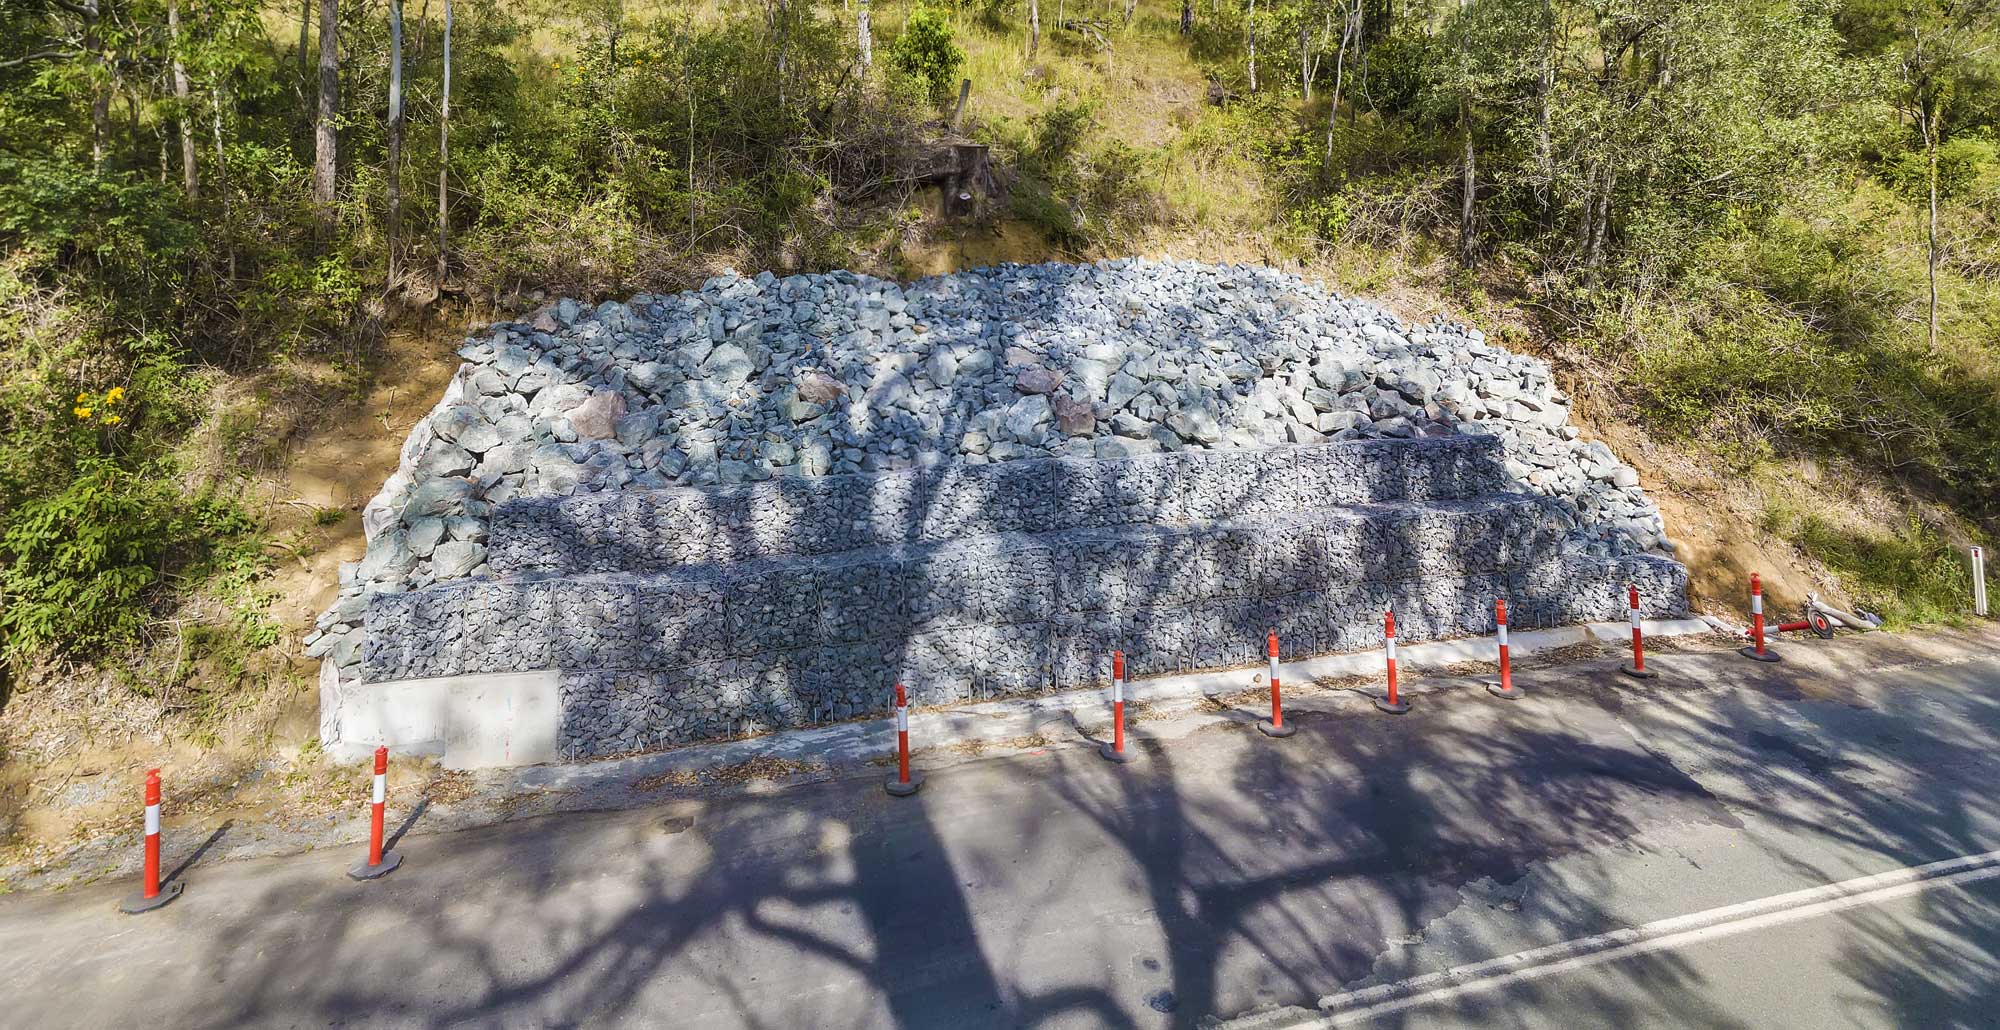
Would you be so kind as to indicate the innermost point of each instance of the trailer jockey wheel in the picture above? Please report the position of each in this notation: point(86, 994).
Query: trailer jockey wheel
point(1822, 626)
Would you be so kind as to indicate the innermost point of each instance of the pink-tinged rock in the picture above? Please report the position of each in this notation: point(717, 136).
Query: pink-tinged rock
point(597, 417)
point(1074, 417)
point(545, 321)
point(819, 388)
point(1037, 380)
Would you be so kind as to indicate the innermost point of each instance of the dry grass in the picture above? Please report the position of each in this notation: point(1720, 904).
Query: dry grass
point(763, 767)
point(975, 748)
point(1588, 650)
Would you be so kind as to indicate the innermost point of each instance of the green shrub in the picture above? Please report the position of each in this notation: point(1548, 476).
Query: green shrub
point(85, 562)
point(927, 54)
point(1914, 576)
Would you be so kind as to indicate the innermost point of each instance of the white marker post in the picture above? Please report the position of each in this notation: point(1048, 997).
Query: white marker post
point(1979, 581)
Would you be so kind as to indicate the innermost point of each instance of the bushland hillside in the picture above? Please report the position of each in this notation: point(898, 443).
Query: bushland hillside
point(1759, 239)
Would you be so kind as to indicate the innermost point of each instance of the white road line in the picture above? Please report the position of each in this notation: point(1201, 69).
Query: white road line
point(1660, 935)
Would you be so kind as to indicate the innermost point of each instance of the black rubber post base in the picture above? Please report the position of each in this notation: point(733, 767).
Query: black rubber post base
point(1510, 693)
point(1638, 674)
point(1270, 730)
point(1382, 704)
point(138, 903)
point(1751, 653)
point(898, 789)
point(1111, 754)
point(363, 871)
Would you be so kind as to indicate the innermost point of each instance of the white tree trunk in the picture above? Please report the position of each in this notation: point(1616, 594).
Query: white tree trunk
point(325, 141)
point(444, 157)
point(190, 175)
point(867, 41)
point(394, 174)
point(1250, 29)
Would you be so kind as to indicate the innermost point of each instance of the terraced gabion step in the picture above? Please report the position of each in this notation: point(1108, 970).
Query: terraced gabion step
point(1131, 583)
point(636, 531)
point(650, 661)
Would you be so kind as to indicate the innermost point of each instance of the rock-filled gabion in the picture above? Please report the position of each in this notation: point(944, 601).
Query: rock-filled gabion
point(687, 614)
point(749, 380)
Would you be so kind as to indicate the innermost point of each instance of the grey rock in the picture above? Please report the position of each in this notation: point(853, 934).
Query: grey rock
point(456, 558)
point(1028, 417)
point(424, 536)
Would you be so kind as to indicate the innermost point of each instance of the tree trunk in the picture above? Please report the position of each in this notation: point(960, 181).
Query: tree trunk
point(1601, 231)
point(1360, 60)
point(1187, 17)
point(219, 98)
point(866, 39)
point(1339, 73)
point(394, 174)
point(1034, 27)
point(1131, 6)
point(325, 142)
point(1927, 122)
point(1305, 62)
point(444, 157)
point(784, 33)
point(190, 175)
point(305, 41)
point(100, 88)
point(1250, 30)
point(616, 29)
point(1545, 87)
point(1585, 228)
point(1468, 243)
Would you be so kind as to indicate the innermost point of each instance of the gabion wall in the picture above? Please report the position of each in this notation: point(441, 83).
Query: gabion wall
point(691, 614)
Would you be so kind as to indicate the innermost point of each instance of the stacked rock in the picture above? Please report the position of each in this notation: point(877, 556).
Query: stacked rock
point(747, 379)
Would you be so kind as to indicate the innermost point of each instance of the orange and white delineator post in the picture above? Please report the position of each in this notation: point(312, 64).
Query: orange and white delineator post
point(380, 863)
point(1115, 751)
point(1276, 726)
point(151, 895)
point(1637, 669)
point(1392, 704)
point(1756, 650)
point(1505, 688)
point(905, 782)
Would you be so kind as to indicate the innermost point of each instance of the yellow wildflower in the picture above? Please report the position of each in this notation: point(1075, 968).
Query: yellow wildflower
point(117, 394)
point(80, 398)
point(81, 412)
point(111, 420)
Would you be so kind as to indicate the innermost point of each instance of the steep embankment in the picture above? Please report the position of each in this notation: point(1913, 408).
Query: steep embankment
point(813, 375)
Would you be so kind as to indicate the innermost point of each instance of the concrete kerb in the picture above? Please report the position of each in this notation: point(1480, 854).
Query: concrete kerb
point(1065, 718)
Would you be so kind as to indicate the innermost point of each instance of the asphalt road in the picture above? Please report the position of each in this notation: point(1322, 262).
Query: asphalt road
point(1225, 877)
